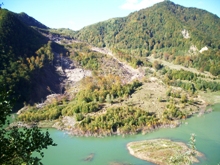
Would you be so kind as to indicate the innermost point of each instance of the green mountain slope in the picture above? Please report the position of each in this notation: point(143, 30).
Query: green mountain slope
point(115, 98)
point(26, 59)
point(16, 38)
point(30, 21)
point(158, 30)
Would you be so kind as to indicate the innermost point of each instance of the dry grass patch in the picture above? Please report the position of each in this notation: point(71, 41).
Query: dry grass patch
point(210, 97)
point(159, 151)
point(150, 97)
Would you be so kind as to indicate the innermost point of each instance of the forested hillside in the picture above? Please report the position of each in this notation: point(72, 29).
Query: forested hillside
point(120, 76)
point(25, 55)
point(30, 21)
point(167, 30)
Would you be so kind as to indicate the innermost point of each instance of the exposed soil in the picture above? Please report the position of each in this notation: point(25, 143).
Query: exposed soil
point(151, 97)
point(178, 67)
point(134, 73)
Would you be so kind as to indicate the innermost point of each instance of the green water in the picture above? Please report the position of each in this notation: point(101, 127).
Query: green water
point(72, 150)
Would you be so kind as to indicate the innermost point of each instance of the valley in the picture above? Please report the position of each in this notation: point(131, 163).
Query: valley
point(152, 96)
point(120, 78)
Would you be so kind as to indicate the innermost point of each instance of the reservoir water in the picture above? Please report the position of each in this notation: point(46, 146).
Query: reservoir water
point(109, 150)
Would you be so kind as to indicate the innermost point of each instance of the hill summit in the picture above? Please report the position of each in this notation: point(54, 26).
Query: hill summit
point(166, 29)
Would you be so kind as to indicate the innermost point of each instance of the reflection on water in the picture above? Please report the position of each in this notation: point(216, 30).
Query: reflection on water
point(113, 151)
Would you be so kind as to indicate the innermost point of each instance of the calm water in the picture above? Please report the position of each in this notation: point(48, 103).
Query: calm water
point(73, 150)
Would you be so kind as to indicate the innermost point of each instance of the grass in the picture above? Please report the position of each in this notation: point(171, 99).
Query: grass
point(46, 123)
point(179, 67)
point(210, 97)
point(159, 151)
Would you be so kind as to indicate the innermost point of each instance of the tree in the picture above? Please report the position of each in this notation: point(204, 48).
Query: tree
point(184, 98)
point(187, 157)
point(109, 98)
point(18, 144)
point(192, 145)
point(157, 65)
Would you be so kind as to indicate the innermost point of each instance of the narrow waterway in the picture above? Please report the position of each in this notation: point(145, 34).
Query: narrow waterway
point(109, 150)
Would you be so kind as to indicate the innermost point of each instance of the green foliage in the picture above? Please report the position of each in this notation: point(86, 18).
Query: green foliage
point(157, 30)
point(5, 105)
point(192, 144)
point(17, 39)
point(184, 98)
point(168, 92)
point(96, 90)
point(85, 57)
point(190, 81)
point(50, 112)
point(108, 99)
point(122, 119)
point(17, 145)
point(24, 55)
point(156, 65)
point(63, 32)
point(30, 21)
point(187, 157)
point(79, 117)
point(133, 58)
point(173, 113)
point(22, 73)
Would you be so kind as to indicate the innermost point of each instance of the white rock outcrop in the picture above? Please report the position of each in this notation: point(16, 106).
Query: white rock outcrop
point(185, 34)
point(77, 74)
point(204, 49)
point(193, 49)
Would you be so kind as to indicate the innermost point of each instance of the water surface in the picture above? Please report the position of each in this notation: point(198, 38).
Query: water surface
point(73, 150)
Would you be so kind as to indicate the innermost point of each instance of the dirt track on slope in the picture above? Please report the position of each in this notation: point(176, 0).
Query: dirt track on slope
point(136, 73)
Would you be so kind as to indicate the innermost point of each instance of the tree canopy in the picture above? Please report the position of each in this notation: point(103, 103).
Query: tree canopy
point(160, 30)
point(18, 144)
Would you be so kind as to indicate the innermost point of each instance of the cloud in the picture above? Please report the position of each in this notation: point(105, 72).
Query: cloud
point(138, 4)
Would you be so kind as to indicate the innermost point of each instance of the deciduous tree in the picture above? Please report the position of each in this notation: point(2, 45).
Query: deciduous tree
point(18, 144)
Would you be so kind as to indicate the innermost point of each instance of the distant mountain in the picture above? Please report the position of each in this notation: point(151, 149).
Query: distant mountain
point(156, 27)
point(30, 21)
point(165, 28)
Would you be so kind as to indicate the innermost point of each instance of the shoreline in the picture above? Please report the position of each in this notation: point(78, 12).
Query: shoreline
point(166, 149)
point(68, 125)
point(79, 133)
point(144, 130)
point(73, 131)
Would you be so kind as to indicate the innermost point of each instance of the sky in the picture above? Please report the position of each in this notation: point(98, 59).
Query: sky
point(75, 14)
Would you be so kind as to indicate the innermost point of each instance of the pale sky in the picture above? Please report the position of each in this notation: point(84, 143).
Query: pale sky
point(75, 14)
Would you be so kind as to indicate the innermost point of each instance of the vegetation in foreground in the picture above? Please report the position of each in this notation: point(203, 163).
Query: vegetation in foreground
point(18, 145)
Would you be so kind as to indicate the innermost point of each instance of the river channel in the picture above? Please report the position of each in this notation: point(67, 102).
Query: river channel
point(109, 150)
